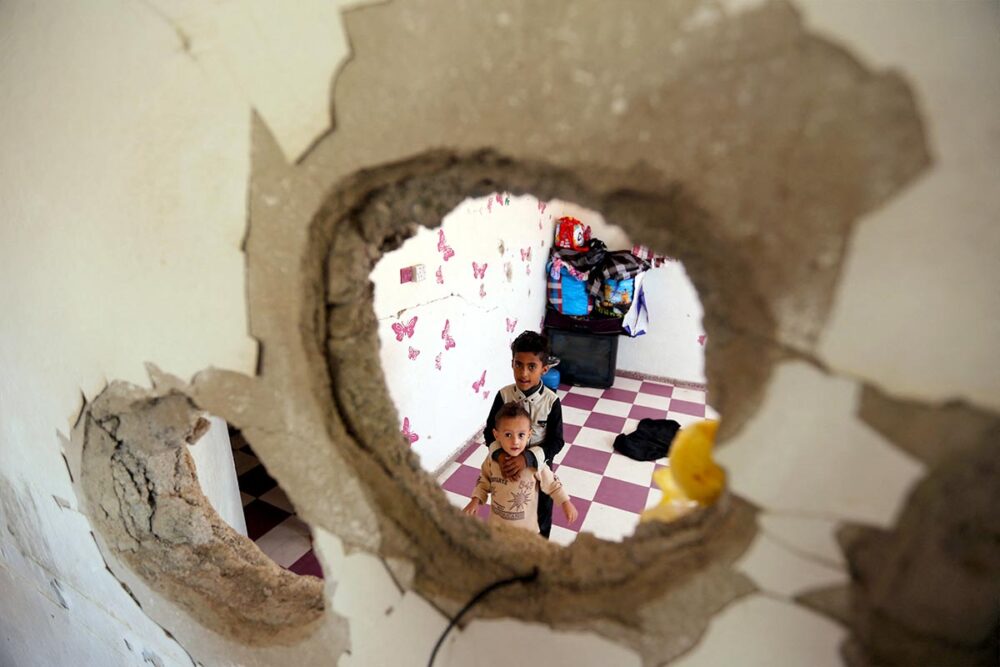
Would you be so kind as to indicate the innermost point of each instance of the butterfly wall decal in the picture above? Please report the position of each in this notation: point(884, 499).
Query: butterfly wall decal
point(486, 394)
point(701, 339)
point(511, 324)
point(405, 330)
point(541, 207)
point(526, 254)
point(439, 276)
point(449, 342)
point(478, 384)
point(407, 433)
point(413, 353)
point(447, 252)
point(437, 360)
point(479, 271)
point(482, 291)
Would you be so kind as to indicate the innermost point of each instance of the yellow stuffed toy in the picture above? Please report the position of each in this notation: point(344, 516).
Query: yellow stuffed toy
point(692, 479)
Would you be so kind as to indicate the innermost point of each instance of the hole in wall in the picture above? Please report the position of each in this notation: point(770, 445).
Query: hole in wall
point(147, 499)
point(451, 300)
point(371, 214)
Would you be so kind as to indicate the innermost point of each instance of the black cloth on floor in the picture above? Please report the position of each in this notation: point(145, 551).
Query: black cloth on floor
point(650, 440)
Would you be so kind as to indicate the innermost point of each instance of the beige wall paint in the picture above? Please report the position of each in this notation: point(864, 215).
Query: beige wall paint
point(918, 310)
point(123, 171)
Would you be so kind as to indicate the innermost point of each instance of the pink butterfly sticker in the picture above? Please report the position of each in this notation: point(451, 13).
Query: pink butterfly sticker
point(701, 339)
point(511, 324)
point(486, 394)
point(437, 360)
point(479, 271)
point(541, 207)
point(499, 199)
point(526, 254)
point(446, 250)
point(477, 385)
point(482, 291)
point(413, 353)
point(407, 433)
point(404, 330)
point(449, 342)
point(489, 206)
point(527, 270)
point(439, 276)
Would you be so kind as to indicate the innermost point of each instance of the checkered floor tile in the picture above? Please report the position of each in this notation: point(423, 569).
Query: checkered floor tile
point(271, 520)
point(609, 490)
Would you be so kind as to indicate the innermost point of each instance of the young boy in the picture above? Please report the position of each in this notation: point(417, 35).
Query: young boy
point(530, 352)
point(515, 499)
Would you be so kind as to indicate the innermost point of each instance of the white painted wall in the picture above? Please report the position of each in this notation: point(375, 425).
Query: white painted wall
point(674, 345)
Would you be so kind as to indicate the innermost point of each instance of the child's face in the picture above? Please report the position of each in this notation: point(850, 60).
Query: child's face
point(528, 370)
point(513, 434)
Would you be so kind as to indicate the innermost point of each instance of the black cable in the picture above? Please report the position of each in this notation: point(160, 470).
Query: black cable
point(523, 578)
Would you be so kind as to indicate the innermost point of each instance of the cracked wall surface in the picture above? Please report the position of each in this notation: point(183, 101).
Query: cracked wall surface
point(765, 145)
point(144, 497)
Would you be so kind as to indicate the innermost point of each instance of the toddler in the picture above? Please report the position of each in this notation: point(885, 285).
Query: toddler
point(515, 499)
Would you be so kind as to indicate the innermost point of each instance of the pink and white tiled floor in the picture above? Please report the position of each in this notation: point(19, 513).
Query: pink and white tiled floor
point(609, 490)
point(271, 520)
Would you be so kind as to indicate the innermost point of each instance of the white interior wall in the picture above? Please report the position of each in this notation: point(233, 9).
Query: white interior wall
point(213, 462)
point(124, 169)
point(433, 387)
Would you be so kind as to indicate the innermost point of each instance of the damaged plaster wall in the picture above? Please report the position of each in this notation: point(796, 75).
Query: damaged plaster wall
point(125, 200)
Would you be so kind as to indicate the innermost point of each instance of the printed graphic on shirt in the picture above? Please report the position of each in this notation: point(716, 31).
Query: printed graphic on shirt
point(504, 513)
point(523, 494)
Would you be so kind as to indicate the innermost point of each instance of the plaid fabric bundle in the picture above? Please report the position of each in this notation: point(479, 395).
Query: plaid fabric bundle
point(642, 252)
point(582, 262)
point(617, 265)
point(555, 292)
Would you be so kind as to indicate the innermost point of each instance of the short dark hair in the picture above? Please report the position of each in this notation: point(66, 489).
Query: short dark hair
point(533, 342)
point(511, 410)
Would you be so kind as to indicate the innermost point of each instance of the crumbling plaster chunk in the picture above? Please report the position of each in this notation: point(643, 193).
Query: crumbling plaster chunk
point(805, 452)
point(281, 57)
point(735, 637)
point(917, 309)
point(777, 569)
